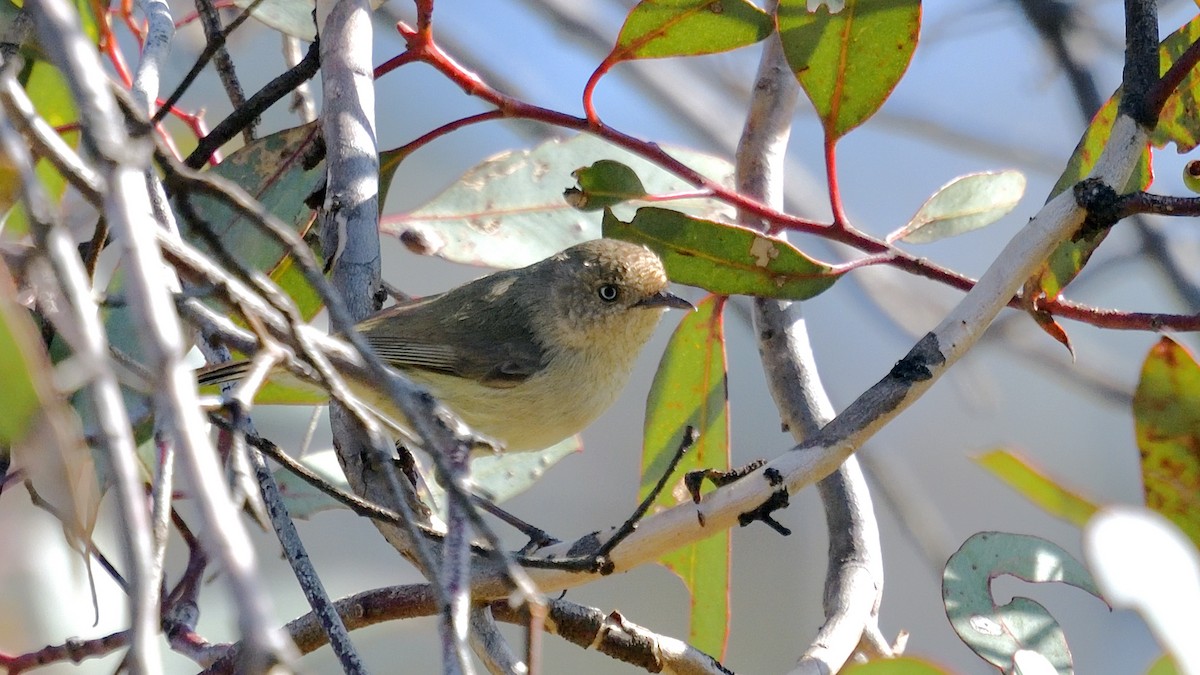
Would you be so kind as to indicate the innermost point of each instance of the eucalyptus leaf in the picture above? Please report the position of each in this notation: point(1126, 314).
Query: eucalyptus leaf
point(722, 258)
point(656, 29)
point(302, 499)
point(998, 633)
point(1145, 563)
point(964, 204)
point(604, 184)
point(291, 17)
point(690, 388)
point(509, 211)
point(849, 60)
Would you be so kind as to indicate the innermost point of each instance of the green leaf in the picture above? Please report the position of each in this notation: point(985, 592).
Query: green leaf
point(998, 632)
point(721, 258)
point(903, 665)
point(51, 98)
point(848, 62)
point(657, 29)
point(40, 435)
point(1163, 665)
point(1178, 124)
point(604, 184)
point(964, 204)
point(690, 389)
point(1035, 486)
point(1166, 415)
point(509, 210)
point(25, 365)
point(278, 171)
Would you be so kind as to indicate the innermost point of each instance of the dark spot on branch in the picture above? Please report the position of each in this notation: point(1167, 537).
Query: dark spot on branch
point(1101, 204)
point(777, 500)
point(774, 478)
point(911, 368)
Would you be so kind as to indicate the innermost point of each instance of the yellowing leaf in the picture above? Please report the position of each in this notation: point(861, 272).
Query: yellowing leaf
point(42, 431)
point(1037, 487)
point(1166, 413)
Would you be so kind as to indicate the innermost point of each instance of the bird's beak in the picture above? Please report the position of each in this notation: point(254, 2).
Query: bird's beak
point(664, 299)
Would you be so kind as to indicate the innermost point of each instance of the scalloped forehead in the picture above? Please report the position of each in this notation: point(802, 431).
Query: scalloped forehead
point(626, 262)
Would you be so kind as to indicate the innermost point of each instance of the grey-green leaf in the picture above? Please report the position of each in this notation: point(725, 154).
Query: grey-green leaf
point(509, 210)
point(997, 633)
point(304, 500)
point(291, 17)
point(502, 477)
point(964, 204)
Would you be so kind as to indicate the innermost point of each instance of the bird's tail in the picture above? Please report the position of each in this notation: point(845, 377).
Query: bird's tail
point(222, 373)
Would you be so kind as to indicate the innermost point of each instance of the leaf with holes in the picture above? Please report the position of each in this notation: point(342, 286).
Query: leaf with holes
point(721, 258)
point(964, 204)
point(509, 211)
point(849, 61)
point(604, 184)
point(1000, 633)
point(1166, 415)
point(690, 389)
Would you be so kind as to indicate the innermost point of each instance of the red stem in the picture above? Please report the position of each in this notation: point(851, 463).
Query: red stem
point(421, 47)
point(840, 221)
point(413, 145)
point(589, 90)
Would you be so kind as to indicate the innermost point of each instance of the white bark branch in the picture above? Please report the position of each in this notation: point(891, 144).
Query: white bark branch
point(122, 160)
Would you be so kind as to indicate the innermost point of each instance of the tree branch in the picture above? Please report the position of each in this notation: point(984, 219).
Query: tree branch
point(854, 577)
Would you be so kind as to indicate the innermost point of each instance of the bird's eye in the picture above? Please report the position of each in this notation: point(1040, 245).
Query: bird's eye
point(608, 292)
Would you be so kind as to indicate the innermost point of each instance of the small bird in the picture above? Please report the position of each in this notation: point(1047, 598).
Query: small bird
point(527, 357)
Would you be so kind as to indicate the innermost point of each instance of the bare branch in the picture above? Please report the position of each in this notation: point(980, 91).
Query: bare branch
point(854, 577)
point(123, 161)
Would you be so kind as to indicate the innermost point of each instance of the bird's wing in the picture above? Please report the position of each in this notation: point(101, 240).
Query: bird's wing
point(442, 335)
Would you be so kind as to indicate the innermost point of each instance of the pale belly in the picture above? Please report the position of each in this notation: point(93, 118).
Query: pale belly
point(537, 413)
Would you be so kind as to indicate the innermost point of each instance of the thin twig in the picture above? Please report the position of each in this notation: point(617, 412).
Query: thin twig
point(210, 20)
point(55, 24)
point(210, 49)
point(306, 574)
point(245, 114)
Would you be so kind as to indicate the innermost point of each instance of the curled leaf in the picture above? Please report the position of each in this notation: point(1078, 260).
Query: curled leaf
point(1001, 634)
point(604, 184)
